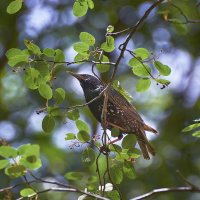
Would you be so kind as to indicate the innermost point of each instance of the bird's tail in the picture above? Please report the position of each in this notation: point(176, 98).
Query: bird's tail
point(145, 146)
point(149, 128)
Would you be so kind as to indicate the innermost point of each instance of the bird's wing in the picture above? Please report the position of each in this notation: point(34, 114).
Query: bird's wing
point(121, 114)
point(117, 99)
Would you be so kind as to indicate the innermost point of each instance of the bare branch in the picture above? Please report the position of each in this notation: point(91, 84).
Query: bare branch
point(64, 188)
point(186, 181)
point(89, 102)
point(119, 32)
point(133, 30)
point(166, 190)
point(73, 62)
point(56, 189)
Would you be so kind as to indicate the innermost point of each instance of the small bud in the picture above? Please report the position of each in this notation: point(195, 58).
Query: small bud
point(110, 29)
point(107, 188)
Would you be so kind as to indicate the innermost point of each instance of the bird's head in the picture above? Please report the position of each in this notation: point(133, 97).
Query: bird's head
point(88, 82)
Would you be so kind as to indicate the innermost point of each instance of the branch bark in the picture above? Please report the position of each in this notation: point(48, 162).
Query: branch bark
point(166, 190)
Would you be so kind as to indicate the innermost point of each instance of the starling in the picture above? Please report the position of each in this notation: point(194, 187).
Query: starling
point(120, 113)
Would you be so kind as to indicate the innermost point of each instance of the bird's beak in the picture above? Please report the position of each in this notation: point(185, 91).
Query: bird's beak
point(78, 76)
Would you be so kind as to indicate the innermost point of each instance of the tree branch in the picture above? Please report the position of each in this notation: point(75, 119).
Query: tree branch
point(187, 20)
point(133, 30)
point(63, 188)
point(166, 190)
point(56, 189)
point(72, 62)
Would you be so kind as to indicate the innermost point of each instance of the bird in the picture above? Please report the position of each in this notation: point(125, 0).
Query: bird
point(120, 114)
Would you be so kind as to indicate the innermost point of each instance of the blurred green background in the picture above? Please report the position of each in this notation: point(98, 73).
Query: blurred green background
point(50, 23)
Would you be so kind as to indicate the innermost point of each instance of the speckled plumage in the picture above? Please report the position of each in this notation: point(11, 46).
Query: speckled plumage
point(120, 113)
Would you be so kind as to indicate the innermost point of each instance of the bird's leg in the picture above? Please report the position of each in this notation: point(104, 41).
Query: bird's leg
point(120, 136)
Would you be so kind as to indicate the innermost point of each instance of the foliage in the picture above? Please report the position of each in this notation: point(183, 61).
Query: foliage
point(41, 68)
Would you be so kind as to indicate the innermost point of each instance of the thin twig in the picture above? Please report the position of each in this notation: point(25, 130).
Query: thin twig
point(73, 62)
point(98, 171)
point(119, 32)
point(185, 180)
point(89, 102)
point(187, 20)
point(17, 185)
point(65, 188)
point(133, 30)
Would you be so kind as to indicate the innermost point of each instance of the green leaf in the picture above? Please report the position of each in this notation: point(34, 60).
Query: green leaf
point(83, 136)
point(73, 114)
point(32, 47)
point(115, 148)
point(59, 56)
point(163, 81)
point(30, 156)
point(133, 152)
point(129, 141)
point(14, 6)
point(16, 56)
point(143, 70)
point(45, 91)
point(191, 127)
point(142, 53)
point(4, 163)
point(87, 38)
point(113, 195)
point(49, 52)
point(88, 156)
point(196, 134)
point(143, 84)
point(115, 132)
point(103, 67)
point(116, 174)
point(43, 69)
point(15, 171)
point(182, 29)
point(81, 56)
point(70, 136)
point(81, 47)
point(129, 170)
point(135, 62)
point(8, 152)
point(117, 86)
point(110, 29)
point(31, 78)
point(48, 123)
point(82, 126)
point(31, 162)
point(90, 4)
point(30, 150)
point(123, 155)
point(59, 95)
point(109, 45)
point(174, 20)
point(23, 148)
point(92, 179)
point(80, 8)
point(73, 176)
point(26, 192)
point(163, 69)
point(179, 26)
point(54, 111)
